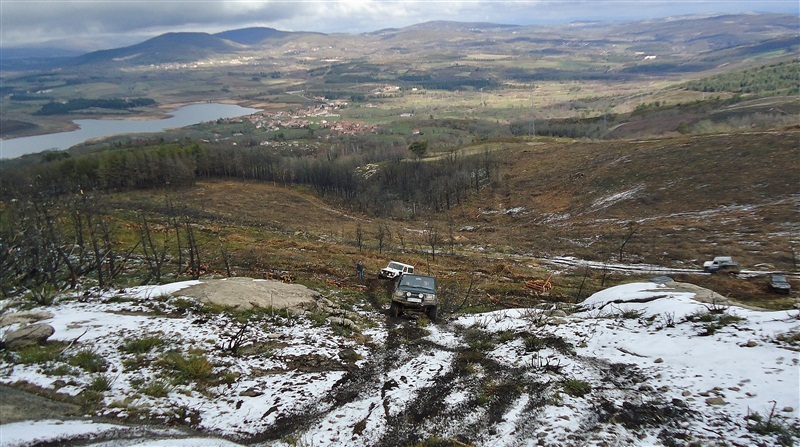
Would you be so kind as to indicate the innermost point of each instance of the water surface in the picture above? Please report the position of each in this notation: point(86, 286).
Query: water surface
point(89, 129)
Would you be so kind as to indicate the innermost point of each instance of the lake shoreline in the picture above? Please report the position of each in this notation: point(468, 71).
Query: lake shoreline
point(159, 112)
point(157, 120)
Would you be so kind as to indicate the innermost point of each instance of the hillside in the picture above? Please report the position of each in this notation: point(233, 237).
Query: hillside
point(505, 365)
point(584, 71)
point(170, 47)
point(688, 198)
point(668, 203)
point(563, 185)
point(642, 364)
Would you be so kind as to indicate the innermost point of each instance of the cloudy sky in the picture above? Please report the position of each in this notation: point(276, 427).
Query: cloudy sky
point(99, 24)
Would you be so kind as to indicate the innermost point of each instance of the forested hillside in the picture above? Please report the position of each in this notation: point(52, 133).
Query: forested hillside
point(768, 80)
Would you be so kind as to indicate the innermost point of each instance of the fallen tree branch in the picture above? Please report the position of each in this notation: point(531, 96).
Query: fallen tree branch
point(73, 342)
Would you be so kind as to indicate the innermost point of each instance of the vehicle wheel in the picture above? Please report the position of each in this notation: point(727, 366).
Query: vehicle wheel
point(432, 315)
point(395, 310)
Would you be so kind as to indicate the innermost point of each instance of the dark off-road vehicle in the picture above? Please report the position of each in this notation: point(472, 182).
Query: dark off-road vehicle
point(414, 293)
point(780, 284)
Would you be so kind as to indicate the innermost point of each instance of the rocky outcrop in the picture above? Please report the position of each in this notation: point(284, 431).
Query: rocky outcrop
point(247, 293)
point(24, 317)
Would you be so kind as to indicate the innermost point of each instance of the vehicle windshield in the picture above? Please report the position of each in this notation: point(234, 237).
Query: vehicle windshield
point(418, 282)
point(395, 265)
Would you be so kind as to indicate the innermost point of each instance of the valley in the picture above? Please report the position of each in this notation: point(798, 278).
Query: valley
point(596, 158)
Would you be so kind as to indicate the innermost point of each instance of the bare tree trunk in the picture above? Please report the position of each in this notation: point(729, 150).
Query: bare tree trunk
point(194, 251)
point(359, 237)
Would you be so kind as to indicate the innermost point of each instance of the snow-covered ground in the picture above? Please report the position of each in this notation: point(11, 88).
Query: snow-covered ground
point(642, 348)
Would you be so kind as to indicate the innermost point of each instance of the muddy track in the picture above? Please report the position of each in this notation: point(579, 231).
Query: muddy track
point(413, 389)
point(403, 343)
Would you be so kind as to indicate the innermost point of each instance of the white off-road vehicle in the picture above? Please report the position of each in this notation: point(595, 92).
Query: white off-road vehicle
point(394, 270)
point(721, 264)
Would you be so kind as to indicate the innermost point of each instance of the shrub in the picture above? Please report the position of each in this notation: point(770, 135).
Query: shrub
point(141, 345)
point(713, 320)
point(195, 366)
point(631, 314)
point(791, 337)
point(575, 387)
point(89, 360)
point(486, 344)
point(317, 318)
point(89, 400)
point(533, 343)
point(470, 356)
point(478, 340)
point(505, 336)
point(38, 353)
point(156, 388)
point(784, 431)
point(61, 370)
point(136, 362)
point(100, 383)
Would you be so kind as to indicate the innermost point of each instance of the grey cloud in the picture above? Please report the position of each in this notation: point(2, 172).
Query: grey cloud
point(108, 23)
point(33, 20)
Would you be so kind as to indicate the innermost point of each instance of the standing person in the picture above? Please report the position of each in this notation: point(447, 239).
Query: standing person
point(360, 270)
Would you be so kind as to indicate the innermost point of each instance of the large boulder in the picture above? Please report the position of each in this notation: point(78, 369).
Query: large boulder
point(247, 293)
point(24, 317)
point(28, 335)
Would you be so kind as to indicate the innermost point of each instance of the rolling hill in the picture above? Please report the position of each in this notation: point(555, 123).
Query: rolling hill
point(682, 39)
point(170, 47)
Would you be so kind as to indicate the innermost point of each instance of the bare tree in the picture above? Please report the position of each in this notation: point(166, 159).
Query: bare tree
point(632, 228)
point(108, 262)
point(359, 236)
point(451, 233)
point(193, 250)
point(433, 238)
point(173, 220)
point(226, 258)
point(380, 235)
point(155, 254)
point(464, 301)
point(587, 271)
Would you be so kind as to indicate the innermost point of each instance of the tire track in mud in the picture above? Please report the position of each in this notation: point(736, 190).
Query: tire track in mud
point(463, 395)
point(401, 346)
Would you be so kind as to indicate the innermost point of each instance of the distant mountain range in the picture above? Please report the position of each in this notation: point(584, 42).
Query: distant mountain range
point(696, 34)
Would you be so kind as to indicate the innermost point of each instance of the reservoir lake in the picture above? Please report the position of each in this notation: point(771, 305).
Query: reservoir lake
point(89, 129)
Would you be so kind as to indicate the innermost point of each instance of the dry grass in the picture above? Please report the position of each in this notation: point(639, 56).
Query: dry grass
point(688, 199)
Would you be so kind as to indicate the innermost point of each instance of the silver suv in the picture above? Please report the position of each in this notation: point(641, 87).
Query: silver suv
point(415, 293)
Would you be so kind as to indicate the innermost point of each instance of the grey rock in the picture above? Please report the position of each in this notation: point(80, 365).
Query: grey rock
point(24, 317)
point(28, 335)
point(556, 321)
point(251, 392)
point(349, 355)
point(350, 324)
